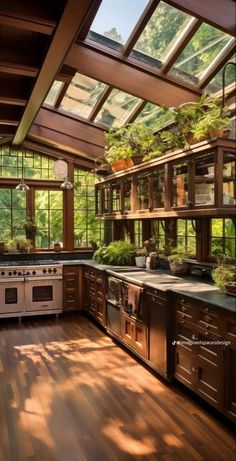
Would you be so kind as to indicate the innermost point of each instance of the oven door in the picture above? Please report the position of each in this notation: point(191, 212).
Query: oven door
point(11, 295)
point(43, 294)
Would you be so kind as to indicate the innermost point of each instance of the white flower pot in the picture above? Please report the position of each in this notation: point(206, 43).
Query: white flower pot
point(140, 261)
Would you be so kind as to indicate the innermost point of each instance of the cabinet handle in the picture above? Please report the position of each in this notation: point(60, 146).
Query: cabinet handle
point(182, 300)
point(208, 318)
point(194, 369)
point(193, 337)
point(206, 309)
point(184, 308)
point(182, 321)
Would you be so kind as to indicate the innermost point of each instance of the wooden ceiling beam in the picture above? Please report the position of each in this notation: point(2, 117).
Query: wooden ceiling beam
point(129, 77)
point(70, 126)
point(218, 13)
point(19, 21)
point(10, 113)
point(18, 69)
point(66, 31)
point(7, 130)
point(65, 142)
point(89, 19)
point(106, 92)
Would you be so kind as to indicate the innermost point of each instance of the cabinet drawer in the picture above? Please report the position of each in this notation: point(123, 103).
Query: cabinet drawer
point(186, 308)
point(209, 385)
point(156, 293)
point(209, 349)
point(210, 319)
point(184, 336)
point(184, 368)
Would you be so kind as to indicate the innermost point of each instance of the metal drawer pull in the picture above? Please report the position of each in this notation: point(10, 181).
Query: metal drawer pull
point(208, 318)
point(184, 308)
point(206, 309)
point(194, 369)
point(193, 337)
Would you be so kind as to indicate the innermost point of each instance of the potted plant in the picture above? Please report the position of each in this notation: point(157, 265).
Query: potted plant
point(117, 253)
point(30, 227)
point(24, 245)
point(224, 278)
point(177, 262)
point(214, 121)
point(128, 145)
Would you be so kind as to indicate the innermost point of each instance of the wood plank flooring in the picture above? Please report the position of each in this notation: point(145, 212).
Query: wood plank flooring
point(68, 393)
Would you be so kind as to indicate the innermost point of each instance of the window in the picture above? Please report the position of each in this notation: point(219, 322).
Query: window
point(222, 237)
point(138, 234)
point(86, 228)
point(186, 235)
point(158, 232)
point(180, 184)
point(117, 108)
point(12, 212)
point(49, 218)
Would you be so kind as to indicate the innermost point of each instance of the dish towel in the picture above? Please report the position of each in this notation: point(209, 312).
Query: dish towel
point(134, 297)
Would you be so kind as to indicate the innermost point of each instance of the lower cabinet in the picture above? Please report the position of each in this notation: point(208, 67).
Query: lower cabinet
point(204, 361)
point(134, 333)
point(72, 288)
point(94, 294)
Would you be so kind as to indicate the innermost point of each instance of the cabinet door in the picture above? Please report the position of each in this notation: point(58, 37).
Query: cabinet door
point(230, 383)
point(100, 313)
point(70, 288)
point(127, 325)
point(157, 332)
point(185, 368)
point(140, 338)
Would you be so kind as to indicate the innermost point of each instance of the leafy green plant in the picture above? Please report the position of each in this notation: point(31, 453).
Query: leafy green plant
point(213, 118)
point(223, 276)
point(177, 254)
point(116, 253)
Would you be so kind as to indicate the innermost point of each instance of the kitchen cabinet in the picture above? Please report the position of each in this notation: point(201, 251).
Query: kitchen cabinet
point(203, 361)
point(72, 288)
point(158, 331)
point(94, 294)
point(184, 182)
point(134, 333)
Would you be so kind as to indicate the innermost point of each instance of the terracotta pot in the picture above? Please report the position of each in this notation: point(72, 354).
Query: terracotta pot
point(118, 165)
point(137, 159)
point(219, 133)
point(129, 162)
point(178, 267)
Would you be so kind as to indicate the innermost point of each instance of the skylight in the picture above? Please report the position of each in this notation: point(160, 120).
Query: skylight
point(163, 29)
point(154, 117)
point(200, 52)
point(117, 108)
point(82, 95)
point(215, 84)
point(115, 21)
point(53, 93)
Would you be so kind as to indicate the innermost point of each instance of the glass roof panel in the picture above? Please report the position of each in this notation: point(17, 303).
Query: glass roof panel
point(215, 84)
point(115, 20)
point(116, 108)
point(154, 117)
point(53, 92)
point(200, 53)
point(164, 28)
point(81, 96)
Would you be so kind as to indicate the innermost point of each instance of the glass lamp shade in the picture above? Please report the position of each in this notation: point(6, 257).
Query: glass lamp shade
point(67, 184)
point(22, 186)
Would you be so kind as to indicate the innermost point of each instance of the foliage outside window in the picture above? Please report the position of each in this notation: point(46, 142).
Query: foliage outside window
point(186, 235)
point(49, 218)
point(12, 212)
point(222, 237)
point(158, 232)
point(138, 234)
point(86, 228)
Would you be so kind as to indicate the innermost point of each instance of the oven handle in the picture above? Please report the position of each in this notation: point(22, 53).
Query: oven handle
point(12, 280)
point(44, 279)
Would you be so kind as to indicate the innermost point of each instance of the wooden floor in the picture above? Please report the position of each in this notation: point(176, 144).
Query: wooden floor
point(68, 393)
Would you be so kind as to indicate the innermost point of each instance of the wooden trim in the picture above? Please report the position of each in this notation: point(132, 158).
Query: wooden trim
point(106, 92)
point(89, 19)
point(219, 178)
point(62, 94)
point(39, 25)
point(134, 114)
point(217, 65)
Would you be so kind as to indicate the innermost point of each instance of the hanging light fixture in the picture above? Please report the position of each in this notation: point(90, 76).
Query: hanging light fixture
point(22, 186)
point(67, 184)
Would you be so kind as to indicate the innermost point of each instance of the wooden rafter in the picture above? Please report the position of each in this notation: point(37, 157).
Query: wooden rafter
point(64, 36)
point(129, 77)
point(21, 21)
point(106, 92)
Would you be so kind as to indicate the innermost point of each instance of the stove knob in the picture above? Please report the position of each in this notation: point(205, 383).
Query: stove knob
point(19, 273)
point(34, 272)
point(54, 270)
point(2, 273)
point(44, 271)
point(28, 273)
point(14, 273)
point(9, 273)
point(49, 270)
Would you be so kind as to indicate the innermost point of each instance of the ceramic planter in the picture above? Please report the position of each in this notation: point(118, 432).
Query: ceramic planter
point(140, 261)
point(178, 267)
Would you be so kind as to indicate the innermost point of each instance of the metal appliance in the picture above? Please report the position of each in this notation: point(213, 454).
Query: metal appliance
point(30, 288)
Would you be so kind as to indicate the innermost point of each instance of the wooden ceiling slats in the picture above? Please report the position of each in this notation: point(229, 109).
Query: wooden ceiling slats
point(28, 23)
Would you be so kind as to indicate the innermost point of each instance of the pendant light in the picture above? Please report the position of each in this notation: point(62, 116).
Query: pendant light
point(67, 184)
point(22, 186)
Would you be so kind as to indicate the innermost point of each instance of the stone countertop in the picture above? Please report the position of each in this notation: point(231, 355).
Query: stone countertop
point(163, 280)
